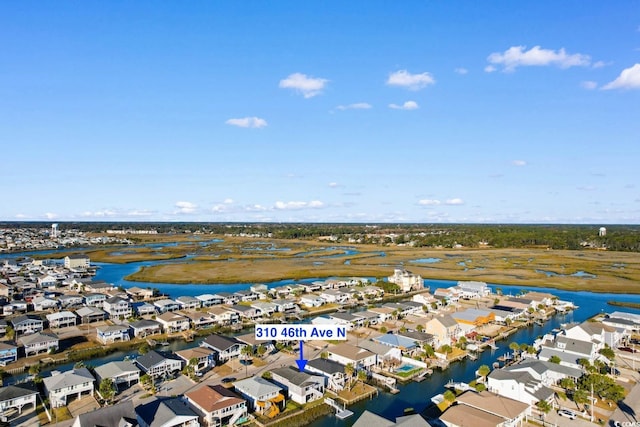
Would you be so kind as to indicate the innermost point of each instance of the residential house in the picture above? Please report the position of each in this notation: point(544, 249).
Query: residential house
point(204, 358)
point(225, 347)
point(112, 333)
point(8, 353)
point(95, 299)
point(383, 313)
point(166, 412)
point(17, 397)
point(27, 324)
point(42, 303)
point(90, 314)
point(263, 396)
point(472, 318)
point(139, 293)
point(346, 354)
point(60, 387)
point(541, 298)
point(159, 364)
point(117, 308)
point(369, 419)
point(47, 281)
point(332, 371)
point(228, 298)
point(266, 309)
point(173, 323)
point(406, 280)
point(3, 326)
point(218, 406)
point(246, 312)
point(188, 303)
point(473, 289)
point(311, 301)
point(98, 286)
point(223, 316)
point(143, 308)
point(347, 319)
point(123, 373)
point(119, 415)
point(301, 387)
point(246, 295)
point(39, 343)
point(200, 319)
point(444, 328)
point(447, 295)
point(73, 262)
point(144, 328)
point(334, 296)
point(405, 344)
point(385, 355)
point(285, 306)
point(596, 332)
point(68, 301)
point(485, 409)
point(260, 289)
point(424, 299)
point(519, 385)
point(207, 300)
point(570, 351)
point(61, 319)
point(166, 305)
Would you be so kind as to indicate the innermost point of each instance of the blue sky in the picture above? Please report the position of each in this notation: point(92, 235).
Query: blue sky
point(359, 111)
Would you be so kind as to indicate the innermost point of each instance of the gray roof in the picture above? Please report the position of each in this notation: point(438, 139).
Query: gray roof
point(574, 345)
point(25, 318)
point(343, 316)
point(221, 342)
point(369, 419)
point(326, 365)
point(548, 353)
point(109, 416)
point(37, 338)
point(152, 358)
point(144, 323)
point(90, 311)
point(160, 412)
point(541, 366)
point(294, 376)
point(447, 320)
point(417, 336)
point(256, 387)
point(68, 379)
point(113, 369)
point(375, 347)
point(16, 391)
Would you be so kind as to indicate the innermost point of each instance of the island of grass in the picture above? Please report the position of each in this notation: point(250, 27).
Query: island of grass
point(225, 259)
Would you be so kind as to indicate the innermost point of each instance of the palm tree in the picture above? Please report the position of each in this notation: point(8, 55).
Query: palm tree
point(581, 397)
point(515, 347)
point(483, 371)
point(348, 371)
point(544, 407)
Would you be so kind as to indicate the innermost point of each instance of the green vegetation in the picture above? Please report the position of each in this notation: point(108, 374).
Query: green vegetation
point(624, 304)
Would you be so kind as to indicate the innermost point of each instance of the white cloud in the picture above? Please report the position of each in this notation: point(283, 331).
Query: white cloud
point(227, 201)
point(589, 84)
point(21, 216)
point(409, 105)
point(429, 202)
point(490, 69)
point(599, 64)
point(356, 106)
point(248, 122)
point(516, 56)
point(50, 215)
point(307, 86)
point(405, 79)
point(454, 202)
point(140, 212)
point(461, 71)
point(186, 207)
point(105, 213)
point(629, 78)
point(519, 163)
point(314, 204)
point(334, 185)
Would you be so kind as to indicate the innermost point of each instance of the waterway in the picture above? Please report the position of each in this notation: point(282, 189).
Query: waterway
point(412, 395)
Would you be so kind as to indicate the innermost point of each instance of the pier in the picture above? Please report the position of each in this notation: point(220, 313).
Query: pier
point(341, 412)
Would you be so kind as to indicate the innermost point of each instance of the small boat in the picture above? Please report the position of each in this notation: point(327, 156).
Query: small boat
point(163, 343)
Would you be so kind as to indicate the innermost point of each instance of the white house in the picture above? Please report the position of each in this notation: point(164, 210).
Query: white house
point(156, 364)
point(60, 387)
point(120, 372)
point(117, 307)
point(17, 396)
point(61, 319)
point(262, 395)
point(73, 262)
point(39, 343)
point(173, 322)
point(406, 280)
point(112, 333)
point(301, 387)
point(347, 354)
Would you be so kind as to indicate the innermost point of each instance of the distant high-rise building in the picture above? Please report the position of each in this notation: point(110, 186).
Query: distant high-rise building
point(54, 231)
point(602, 232)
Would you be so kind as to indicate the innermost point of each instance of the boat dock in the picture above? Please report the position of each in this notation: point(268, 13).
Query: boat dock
point(341, 412)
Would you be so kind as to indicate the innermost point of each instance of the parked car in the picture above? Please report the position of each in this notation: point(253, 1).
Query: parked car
point(567, 413)
point(228, 380)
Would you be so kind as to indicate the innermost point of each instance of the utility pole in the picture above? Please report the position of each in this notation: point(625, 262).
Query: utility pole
point(592, 403)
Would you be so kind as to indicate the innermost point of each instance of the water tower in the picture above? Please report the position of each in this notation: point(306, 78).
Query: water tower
point(54, 231)
point(602, 232)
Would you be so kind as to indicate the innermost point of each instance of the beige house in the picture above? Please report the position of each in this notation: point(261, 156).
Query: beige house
point(444, 328)
point(485, 409)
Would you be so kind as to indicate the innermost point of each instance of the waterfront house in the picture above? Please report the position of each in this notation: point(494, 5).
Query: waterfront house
point(444, 328)
point(334, 296)
point(223, 316)
point(47, 281)
point(347, 319)
point(266, 309)
point(200, 319)
point(473, 289)
point(405, 344)
point(485, 409)
point(570, 350)
point(406, 280)
point(8, 353)
point(382, 313)
point(300, 387)
point(123, 373)
point(385, 355)
point(90, 314)
point(228, 298)
point(61, 319)
point(188, 303)
point(3, 326)
point(27, 324)
point(245, 312)
point(173, 323)
point(369, 419)
point(17, 397)
point(60, 387)
point(143, 308)
point(218, 405)
point(119, 415)
point(263, 396)
point(472, 318)
point(368, 317)
point(166, 305)
point(519, 385)
point(117, 308)
point(139, 293)
point(159, 364)
point(95, 299)
point(596, 332)
point(332, 371)
point(311, 301)
point(541, 298)
point(39, 343)
point(425, 299)
point(99, 286)
point(204, 358)
point(225, 347)
point(144, 328)
point(247, 295)
point(112, 333)
point(74, 262)
point(208, 300)
point(42, 303)
point(624, 327)
point(285, 306)
point(166, 412)
point(346, 354)
point(260, 289)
